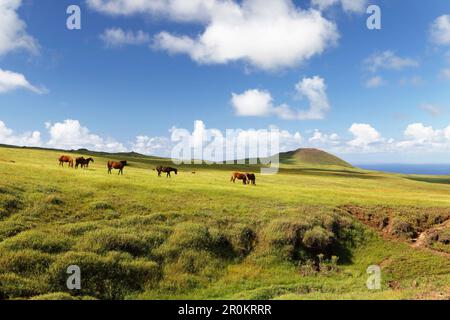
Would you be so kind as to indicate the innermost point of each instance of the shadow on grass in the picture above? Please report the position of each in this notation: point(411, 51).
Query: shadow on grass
point(332, 173)
point(439, 180)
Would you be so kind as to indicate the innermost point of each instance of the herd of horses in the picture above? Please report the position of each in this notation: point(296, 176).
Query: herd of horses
point(81, 161)
point(247, 178)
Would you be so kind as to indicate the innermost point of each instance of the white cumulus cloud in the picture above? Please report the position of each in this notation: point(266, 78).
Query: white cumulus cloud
point(388, 60)
point(267, 35)
point(364, 135)
point(440, 30)
point(252, 103)
point(10, 81)
point(70, 134)
point(260, 103)
point(320, 138)
point(13, 34)
point(418, 132)
point(29, 139)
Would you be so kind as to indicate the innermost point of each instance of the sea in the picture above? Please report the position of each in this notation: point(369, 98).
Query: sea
point(425, 169)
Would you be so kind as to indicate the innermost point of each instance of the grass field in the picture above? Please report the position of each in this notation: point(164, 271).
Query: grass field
point(309, 232)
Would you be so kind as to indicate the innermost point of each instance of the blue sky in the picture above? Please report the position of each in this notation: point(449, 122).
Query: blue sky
point(367, 95)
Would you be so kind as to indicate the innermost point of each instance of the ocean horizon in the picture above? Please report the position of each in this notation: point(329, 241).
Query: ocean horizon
point(425, 169)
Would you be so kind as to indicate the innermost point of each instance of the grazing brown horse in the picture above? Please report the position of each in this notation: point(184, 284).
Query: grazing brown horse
point(239, 176)
point(66, 159)
point(167, 170)
point(116, 165)
point(251, 178)
point(84, 163)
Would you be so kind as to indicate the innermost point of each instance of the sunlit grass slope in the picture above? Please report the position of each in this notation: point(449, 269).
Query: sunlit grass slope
point(295, 235)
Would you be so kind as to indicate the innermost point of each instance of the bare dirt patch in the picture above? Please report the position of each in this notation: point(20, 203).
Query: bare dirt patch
point(419, 227)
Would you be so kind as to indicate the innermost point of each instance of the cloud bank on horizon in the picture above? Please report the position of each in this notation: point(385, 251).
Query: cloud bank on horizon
point(267, 40)
point(72, 135)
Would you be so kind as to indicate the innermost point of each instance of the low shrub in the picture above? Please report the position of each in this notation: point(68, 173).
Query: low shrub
point(110, 239)
point(318, 239)
point(284, 237)
point(28, 262)
point(15, 286)
point(243, 239)
point(11, 228)
point(193, 261)
point(403, 229)
point(46, 241)
point(105, 277)
point(444, 236)
point(187, 235)
point(9, 203)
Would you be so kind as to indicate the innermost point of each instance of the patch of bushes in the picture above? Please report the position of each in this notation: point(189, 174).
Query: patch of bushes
point(46, 241)
point(242, 239)
point(403, 229)
point(9, 204)
point(319, 265)
point(302, 240)
point(10, 229)
point(185, 236)
point(105, 277)
point(402, 222)
point(24, 262)
point(194, 262)
point(102, 206)
point(110, 239)
point(78, 229)
point(15, 286)
point(284, 237)
point(318, 239)
point(444, 236)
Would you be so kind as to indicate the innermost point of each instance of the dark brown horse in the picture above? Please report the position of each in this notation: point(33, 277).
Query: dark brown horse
point(251, 178)
point(116, 165)
point(167, 170)
point(238, 176)
point(66, 159)
point(84, 163)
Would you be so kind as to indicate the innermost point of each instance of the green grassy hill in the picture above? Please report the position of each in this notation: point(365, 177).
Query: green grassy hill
point(312, 157)
point(309, 232)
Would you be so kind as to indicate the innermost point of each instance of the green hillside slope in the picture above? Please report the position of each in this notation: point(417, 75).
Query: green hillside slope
point(312, 157)
point(305, 233)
